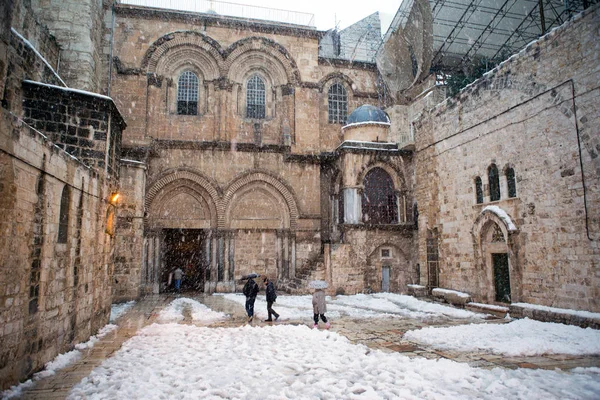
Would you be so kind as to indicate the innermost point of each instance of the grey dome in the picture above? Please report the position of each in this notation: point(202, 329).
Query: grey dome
point(368, 113)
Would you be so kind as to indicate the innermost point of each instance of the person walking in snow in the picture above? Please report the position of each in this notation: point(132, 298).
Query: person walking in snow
point(250, 291)
point(271, 297)
point(177, 275)
point(319, 308)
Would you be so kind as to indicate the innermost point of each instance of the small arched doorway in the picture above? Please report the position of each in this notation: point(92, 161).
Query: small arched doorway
point(495, 233)
point(497, 260)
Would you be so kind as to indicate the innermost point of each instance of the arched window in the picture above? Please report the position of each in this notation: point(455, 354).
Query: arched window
point(187, 94)
point(494, 182)
point(63, 218)
point(338, 104)
point(511, 182)
point(379, 199)
point(255, 98)
point(478, 190)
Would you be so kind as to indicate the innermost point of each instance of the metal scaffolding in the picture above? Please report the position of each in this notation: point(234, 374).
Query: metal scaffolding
point(465, 32)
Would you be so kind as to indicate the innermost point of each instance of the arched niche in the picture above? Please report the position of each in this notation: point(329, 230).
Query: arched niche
point(240, 192)
point(183, 199)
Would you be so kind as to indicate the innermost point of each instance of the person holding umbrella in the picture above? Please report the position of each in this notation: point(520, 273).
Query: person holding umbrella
point(319, 304)
point(271, 297)
point(250, 290)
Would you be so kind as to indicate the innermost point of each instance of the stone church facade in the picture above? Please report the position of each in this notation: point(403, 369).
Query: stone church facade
point(250, 167)
point(240, 146)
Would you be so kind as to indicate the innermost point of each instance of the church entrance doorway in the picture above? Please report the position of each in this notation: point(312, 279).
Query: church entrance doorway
point(501, 277)
point(184, 248)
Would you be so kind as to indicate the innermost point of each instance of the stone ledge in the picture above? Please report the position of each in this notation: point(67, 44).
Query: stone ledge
point(498, 311)
point(555, 315)
point(417, 290)
point(452, 296)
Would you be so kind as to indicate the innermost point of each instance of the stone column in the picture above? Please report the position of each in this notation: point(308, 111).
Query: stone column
point(352, 206)
point(144, 263)
point(279, 250)
point(150, 265)
point(231, 255)
point(292, 271)
point(220, 257)
point(226, 243)
point(214, 265)
point(285, 270)
point(157, 265)
point(207, 259)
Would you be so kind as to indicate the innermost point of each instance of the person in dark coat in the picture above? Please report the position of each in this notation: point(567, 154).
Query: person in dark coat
point(271, 297)
point(319, 308)
point(250, 291)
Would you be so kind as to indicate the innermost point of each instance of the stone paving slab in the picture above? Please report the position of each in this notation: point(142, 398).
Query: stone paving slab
point(385, 335)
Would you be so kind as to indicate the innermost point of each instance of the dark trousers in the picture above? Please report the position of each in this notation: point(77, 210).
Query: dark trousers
point(271, 311)
point(250, 306)
point(316, 318)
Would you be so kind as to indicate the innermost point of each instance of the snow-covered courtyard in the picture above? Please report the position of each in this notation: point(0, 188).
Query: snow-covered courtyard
point(181, 356)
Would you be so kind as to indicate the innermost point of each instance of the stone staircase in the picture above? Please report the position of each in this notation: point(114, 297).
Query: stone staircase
point(311, 269)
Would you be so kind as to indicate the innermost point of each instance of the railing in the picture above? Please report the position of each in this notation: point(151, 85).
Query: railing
point(230, 9)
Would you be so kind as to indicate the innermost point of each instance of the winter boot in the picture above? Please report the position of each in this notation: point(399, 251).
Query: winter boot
point(315, 326)
point(327, 325)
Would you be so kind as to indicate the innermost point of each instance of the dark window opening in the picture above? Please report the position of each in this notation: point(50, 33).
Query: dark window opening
point(338, 104)
point(341, 207)
point(255, 98)
point(187, 94)
point(494, 182)
point(63, 219)
point(479, 190)
point(379, 199)
point(511, 182)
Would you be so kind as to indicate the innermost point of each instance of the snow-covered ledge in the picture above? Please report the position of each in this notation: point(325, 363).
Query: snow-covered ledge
point(500, 213)
point(417, 290)
point(584, 319)
point(452, 296)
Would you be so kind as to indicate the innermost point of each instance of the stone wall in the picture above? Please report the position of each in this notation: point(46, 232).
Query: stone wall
point(148, 61)
point(129, 232)
point(79, 28)
point(87, 126)
point(53, 295)
point(537, 114)
point(56, 238)
point(251, 185)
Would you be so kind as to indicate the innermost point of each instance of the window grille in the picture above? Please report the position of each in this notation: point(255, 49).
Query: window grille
point(511, 182)
point(187, 94)
point(379, 199)
point(338, 104)
point(63, 219)
point(497, 235)
point(255, 98)
point(479, 190)
point(494, 182)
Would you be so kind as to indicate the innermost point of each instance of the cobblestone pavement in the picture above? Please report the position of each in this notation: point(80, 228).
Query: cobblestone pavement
point(385, 335)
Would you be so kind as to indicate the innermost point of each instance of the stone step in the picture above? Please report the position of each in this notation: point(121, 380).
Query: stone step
point(498, 311)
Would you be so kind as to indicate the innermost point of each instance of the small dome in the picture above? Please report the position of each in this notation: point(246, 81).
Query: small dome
point(368, 113)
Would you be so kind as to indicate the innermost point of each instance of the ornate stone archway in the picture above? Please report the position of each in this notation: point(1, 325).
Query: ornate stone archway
point(496, 253)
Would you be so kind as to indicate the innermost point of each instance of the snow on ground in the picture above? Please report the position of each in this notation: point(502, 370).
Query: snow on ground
point(116, 310)
point(300, 307)
point(379, 305)
point(295, 362)
point(59, 362)
point(522, 337)
point(200, 313)
point(408, 306)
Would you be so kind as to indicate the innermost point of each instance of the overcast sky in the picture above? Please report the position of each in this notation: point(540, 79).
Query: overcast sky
point(328, 11)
